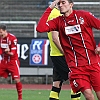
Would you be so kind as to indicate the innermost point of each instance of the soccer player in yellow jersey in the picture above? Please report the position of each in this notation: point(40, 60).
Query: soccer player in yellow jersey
point(60, 68)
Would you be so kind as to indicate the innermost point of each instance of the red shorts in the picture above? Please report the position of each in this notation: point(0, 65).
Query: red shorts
point(10, 67)
point(85, 77)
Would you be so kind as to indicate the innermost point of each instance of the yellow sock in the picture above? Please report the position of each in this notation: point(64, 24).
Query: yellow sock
point(54, 93)
point(75, 96)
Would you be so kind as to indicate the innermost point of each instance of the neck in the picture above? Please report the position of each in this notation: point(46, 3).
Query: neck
point(68, 12)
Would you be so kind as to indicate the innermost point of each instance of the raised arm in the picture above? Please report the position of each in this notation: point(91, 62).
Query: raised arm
point(42, 24)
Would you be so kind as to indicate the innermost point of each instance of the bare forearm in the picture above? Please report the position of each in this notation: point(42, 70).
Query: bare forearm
point(55, 38)
point(58, 46)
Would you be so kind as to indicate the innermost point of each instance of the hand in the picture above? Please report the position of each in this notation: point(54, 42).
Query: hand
point(53, 4)
point(97, 50)
point(7, 50)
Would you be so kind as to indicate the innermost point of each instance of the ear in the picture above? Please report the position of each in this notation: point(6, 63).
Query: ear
point(71, 5)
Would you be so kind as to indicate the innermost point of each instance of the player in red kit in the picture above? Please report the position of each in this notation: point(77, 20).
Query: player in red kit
point(76, 38)
point(10, 62)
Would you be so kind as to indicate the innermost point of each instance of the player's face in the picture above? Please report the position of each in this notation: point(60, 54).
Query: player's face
point(65, 6)
point(2, 33)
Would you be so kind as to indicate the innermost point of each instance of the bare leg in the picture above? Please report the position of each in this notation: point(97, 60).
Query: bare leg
point(98, 95)
point(88, 94)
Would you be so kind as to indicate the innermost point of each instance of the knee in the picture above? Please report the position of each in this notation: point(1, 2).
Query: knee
point(17, 80)
point(56, 84)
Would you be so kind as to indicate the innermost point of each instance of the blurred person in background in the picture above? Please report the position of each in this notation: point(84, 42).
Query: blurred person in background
point(10, 62)
point(60, 67)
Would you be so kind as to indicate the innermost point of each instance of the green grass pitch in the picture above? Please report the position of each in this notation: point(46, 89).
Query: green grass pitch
point(33, 94)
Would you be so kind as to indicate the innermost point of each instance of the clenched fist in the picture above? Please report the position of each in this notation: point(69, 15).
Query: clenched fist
point(7, 50)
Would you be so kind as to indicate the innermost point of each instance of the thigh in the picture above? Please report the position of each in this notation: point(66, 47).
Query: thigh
point(79, 79)
point(98, 95)
point(13, 68)
point(80, 85)
point(3, 69)
point(95, 77)
point(60, 69)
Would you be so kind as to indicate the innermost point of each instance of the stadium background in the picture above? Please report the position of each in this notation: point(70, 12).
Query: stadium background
point(18, 15)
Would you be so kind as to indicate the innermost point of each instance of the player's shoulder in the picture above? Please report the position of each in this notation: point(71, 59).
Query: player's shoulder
point(11, 36)
point(84, 12)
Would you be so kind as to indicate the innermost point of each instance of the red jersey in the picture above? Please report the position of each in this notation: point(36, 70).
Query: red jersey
point(76, 36)
point(9, 41)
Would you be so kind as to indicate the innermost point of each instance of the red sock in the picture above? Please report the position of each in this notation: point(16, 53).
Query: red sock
point(19, 90)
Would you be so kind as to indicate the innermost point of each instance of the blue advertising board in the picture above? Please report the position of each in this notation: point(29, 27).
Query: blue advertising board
point(39, 52)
